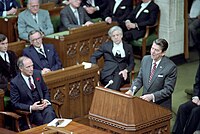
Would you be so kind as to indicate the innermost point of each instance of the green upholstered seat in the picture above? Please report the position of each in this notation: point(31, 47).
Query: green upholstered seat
point(150, 39)
point(55, 22)
point(189, 93)
point(96, 20)
point(6, 101)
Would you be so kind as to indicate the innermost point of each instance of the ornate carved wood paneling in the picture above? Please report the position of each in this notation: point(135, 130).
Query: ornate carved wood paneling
point(81, 43)
point(74, 86)
point(118, 113)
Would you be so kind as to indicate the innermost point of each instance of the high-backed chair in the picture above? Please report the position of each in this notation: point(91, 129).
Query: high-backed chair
point(142, 46)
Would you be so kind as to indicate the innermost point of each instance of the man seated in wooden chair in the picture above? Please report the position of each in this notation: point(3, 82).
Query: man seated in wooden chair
point(28, 92)
point(118, 60)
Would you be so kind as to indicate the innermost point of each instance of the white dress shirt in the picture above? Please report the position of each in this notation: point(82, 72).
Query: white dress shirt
point(2, 54)
point(143, 6)
point(118, 48)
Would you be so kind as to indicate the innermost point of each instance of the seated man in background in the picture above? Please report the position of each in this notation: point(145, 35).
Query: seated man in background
point(194, 24)
point(187, 118)
point(118, 10)
point(73, 16)
point(8, 62)
point(29, 92)
point(8, 7)
point(145, 14)
point(157, 75)
point(94, 8)
point(44, 57)
point(118, 60)
point(34, 18)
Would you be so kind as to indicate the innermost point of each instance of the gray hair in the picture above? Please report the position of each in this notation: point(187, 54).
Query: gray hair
point(29, 1)
point(114, 28)
point(20, 61)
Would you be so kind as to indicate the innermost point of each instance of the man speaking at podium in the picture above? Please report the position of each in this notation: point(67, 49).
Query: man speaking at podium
point(118, 60)
point(157, 75)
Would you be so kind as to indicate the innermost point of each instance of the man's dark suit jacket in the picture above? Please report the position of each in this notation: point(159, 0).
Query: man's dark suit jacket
point(110, 61)
point(68, 19)
point(147, 17)
point(188, 119)
point(7, 74)
point(9, 5)
point(122, 11)
point(52, 56)
point(22, 98)
point(100, 3)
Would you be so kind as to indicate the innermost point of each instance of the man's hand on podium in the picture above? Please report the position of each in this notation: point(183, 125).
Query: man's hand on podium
point(129, 92)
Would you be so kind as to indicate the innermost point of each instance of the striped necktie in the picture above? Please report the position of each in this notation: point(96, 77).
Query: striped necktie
point(152, 72)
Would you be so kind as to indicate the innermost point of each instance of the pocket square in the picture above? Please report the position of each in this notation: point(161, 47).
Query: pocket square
point(146, 11)
point(123, 7)
point(160, 75)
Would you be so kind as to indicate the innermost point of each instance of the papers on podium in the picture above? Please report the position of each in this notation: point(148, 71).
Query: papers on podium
point(87, 65)
point(59, 122)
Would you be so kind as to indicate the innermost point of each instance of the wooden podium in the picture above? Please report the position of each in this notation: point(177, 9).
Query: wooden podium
point(118, 113)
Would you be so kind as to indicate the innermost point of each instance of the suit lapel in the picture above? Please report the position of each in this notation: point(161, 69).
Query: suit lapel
point(159, 68)
point(34, 54)
point(37, 80)
point(24, 86)
point(48, 54)
point(69, 10)
point(30, 18)
point(148, 68)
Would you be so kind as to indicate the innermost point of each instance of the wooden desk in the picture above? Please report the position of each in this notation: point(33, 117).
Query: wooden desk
point(6, 131)
point(74, 87)
point(74, 127)
point(80, 43)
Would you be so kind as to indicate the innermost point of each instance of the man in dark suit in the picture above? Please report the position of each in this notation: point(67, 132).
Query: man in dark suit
point(145, 14)
point(73, 16)
point(118, 59)
point(8, 7)
point(187, 118)
point(157, 75)
point(8, 62)
point(118, 10)
point(44, 57)
point(94, 8)
point(29, 92)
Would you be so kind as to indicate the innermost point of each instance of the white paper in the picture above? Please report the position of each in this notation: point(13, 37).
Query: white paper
point(63, 122)
point(87, 65)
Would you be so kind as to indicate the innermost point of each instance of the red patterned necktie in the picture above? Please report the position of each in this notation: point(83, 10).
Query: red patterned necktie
point(152, 72)
point(31, 84)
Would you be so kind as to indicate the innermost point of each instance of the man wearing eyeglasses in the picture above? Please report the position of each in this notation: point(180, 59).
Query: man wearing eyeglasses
point(44, 56)
point(34, 18)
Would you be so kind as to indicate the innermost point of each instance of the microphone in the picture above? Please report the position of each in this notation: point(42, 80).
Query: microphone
point(109, 83)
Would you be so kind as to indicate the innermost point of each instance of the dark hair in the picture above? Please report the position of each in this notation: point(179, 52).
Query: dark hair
point(162, 43)
point(2, 37)
point(33, 32)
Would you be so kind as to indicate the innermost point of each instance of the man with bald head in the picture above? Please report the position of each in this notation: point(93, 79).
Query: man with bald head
point(34, 18)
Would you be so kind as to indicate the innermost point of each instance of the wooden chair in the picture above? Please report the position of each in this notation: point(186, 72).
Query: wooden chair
point(16, 115)
point(143, 45)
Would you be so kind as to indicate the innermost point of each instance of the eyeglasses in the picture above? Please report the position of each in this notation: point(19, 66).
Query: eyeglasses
point(34, 40)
